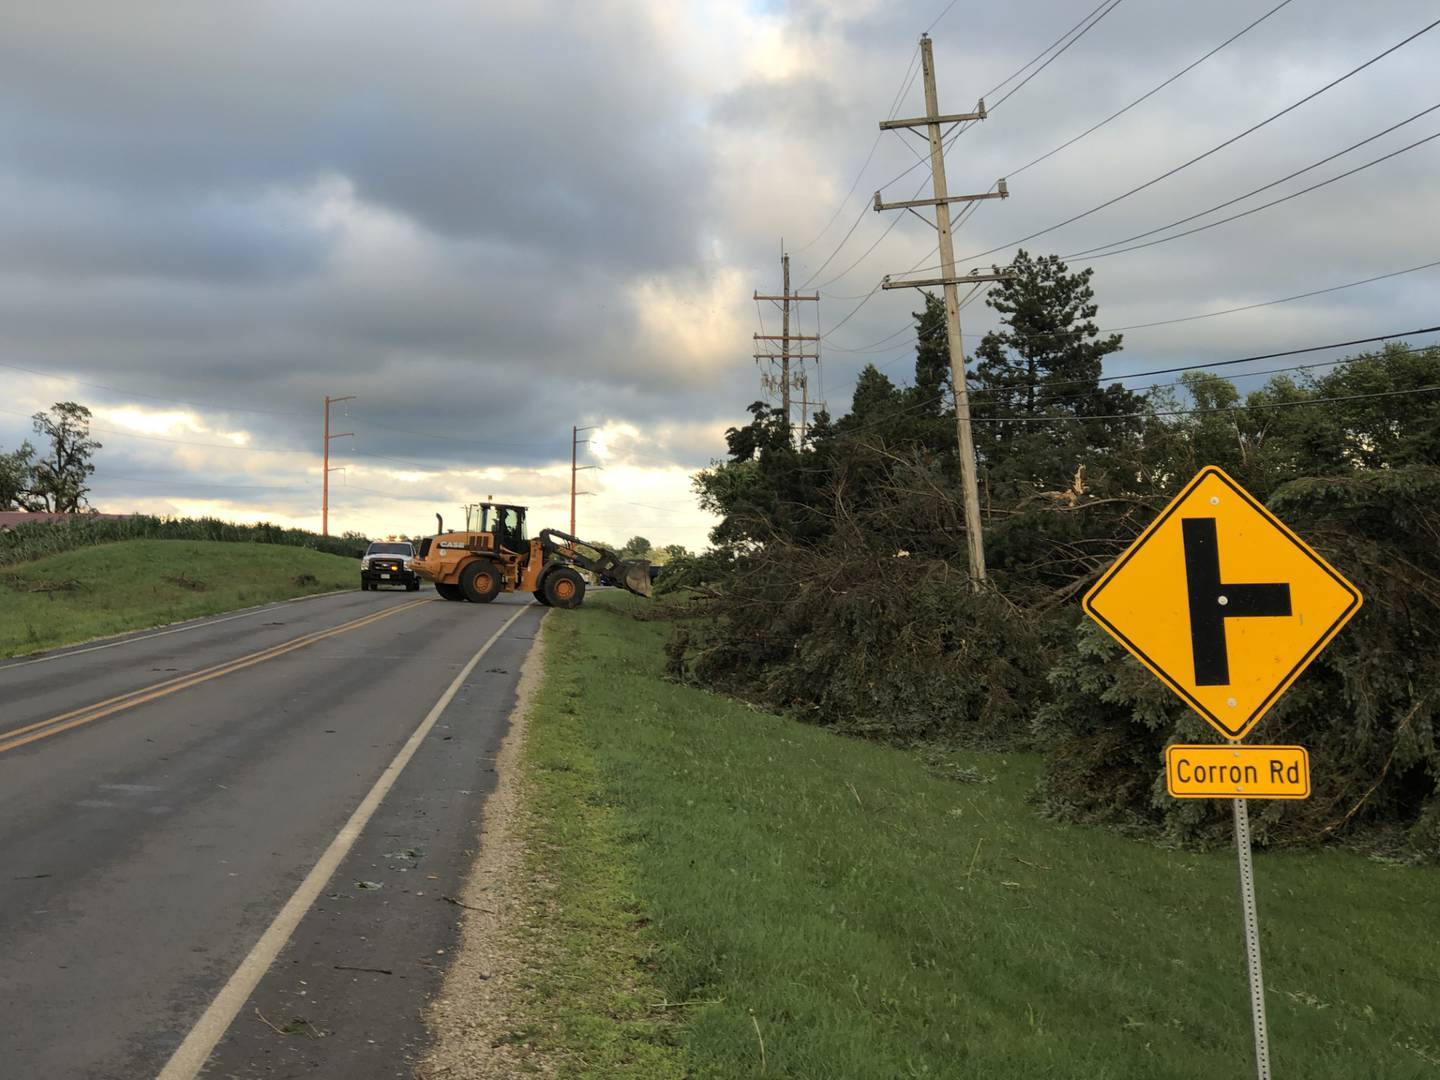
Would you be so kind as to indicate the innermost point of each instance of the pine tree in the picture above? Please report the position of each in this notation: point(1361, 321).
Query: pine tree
point(1037, 380)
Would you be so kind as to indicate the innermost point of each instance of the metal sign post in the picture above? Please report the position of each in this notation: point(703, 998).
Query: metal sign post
point(1252, 940)
point(1195, 599)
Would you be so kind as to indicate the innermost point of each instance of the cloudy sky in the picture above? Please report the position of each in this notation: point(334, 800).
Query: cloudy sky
point(490, 221)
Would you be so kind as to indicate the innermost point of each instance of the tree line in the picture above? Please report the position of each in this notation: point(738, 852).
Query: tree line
point(837, 586)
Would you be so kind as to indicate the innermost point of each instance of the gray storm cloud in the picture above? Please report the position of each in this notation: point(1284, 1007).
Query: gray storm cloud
point(492, 221)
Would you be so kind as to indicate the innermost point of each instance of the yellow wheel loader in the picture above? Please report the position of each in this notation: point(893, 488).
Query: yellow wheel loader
point(493, 556)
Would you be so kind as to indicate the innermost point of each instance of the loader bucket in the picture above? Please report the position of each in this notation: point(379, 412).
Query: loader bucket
point(635, 575)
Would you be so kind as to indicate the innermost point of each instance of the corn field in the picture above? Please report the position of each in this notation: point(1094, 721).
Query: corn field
point(35, 541)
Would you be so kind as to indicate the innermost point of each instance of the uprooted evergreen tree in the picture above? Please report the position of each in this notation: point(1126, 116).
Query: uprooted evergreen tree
point(838, 586)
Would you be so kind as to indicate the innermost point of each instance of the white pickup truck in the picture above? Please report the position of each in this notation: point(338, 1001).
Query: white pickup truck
point(387, 562)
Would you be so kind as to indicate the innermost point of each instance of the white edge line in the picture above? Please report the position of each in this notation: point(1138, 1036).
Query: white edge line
point(188, 624)
point(192, 1054)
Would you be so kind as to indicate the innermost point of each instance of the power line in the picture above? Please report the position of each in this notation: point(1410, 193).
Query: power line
point(1204, 412)
point(948, 142)
point(178, 442)
point(1174, 412)
point(1205, 366)
point(1257, 191)
point(227, 408)
point(1149, 387)
point(1151, 93)
point(152, 397)
point(1189, 318)
point(106, 477)
point(399, 461)
point(1274, 355)
point(872, 345)
point(963, 216)
point(1021, 70)
point(1268, 205)
point(911, 74)
point(864, 209)
point(1281, 300)
point(862, 258)
point(1240, 374)
point(1088, 23)
point(1018, 86)
point(1213, 150)
point(446, 438)
point(936, 21)
point(981, 387)
point(894, 104)
point(864, 300)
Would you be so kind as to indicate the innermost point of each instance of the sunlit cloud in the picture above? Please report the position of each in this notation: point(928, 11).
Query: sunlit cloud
point(152, 422)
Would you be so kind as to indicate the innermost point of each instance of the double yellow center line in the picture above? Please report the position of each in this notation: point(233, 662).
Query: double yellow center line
point(43, 729)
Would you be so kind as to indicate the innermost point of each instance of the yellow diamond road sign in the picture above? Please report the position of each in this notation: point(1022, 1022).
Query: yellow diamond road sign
point(1223, 602)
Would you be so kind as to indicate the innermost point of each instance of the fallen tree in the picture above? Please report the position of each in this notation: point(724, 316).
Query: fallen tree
point(838, 588)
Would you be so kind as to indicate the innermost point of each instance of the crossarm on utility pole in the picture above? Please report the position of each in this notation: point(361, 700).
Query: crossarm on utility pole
point(959, 279)
point(1001, 192)
point(922, 121)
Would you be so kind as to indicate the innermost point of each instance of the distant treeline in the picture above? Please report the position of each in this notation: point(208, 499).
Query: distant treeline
point(36, 540)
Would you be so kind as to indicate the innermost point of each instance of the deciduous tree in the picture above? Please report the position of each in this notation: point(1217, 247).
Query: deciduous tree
point(61, 477)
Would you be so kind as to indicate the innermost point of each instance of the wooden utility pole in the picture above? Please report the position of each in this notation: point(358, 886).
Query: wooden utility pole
point(787, 380)
point(804, 384)
point(575, 468)
point(325, 476)
point(785, 336)
point(941, 200)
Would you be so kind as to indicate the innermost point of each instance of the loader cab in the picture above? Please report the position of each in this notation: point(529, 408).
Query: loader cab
point(505, 521)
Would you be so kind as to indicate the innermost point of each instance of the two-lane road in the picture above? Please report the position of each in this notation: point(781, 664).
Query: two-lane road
point(164, 796)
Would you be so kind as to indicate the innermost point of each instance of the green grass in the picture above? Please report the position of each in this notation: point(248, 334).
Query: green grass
point(870, 915)
point(111, 588)
point(590, 991)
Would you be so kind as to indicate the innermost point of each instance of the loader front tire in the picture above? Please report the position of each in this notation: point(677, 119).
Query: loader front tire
point(564, 588)
point(481, 581)
point(449, 592)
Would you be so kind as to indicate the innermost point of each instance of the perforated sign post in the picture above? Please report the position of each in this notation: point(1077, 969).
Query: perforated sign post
point(1227, 607)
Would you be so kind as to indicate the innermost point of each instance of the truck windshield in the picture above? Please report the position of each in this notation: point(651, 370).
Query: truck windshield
point(389, 549)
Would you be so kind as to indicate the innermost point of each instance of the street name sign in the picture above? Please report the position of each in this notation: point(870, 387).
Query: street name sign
point(1222, 602)
point(1237, 772)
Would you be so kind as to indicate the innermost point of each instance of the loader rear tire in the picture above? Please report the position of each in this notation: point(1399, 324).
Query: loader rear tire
point(539, 595)
point(481, 581)
point(449, 592)
point(564, 588)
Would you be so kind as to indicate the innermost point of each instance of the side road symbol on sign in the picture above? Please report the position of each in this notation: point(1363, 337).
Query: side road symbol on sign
point(1222, 602)
point(1212, 601)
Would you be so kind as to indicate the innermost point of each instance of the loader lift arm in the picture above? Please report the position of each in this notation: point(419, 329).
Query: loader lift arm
point(634, 574)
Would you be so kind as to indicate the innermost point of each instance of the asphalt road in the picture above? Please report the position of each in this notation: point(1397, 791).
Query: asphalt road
point(162, 797)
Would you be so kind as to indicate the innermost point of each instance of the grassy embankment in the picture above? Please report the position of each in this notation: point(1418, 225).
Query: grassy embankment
point(111, 588)
point(868, 914)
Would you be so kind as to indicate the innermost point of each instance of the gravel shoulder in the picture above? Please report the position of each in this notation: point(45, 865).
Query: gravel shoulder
point(474, 1019)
